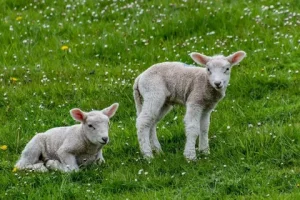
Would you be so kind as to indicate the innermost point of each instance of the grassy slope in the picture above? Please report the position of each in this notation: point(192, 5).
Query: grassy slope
point(254, 133)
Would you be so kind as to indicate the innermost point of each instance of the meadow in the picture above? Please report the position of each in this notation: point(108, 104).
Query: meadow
point(58, 55)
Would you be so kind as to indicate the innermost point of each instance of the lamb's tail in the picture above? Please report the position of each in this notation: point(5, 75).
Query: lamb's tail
point(137, 96)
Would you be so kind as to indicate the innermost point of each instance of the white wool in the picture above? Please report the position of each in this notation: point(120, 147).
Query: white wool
point(168, 83)
point(67, 148)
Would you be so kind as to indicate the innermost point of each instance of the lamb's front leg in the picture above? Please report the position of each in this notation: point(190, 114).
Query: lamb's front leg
point(204, 127)
point(67, 162)
point(192, 129)
point(100, 159)
point(55, 165)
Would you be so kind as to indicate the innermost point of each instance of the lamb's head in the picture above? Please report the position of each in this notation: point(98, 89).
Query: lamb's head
point(95, 124)
point(218, 67)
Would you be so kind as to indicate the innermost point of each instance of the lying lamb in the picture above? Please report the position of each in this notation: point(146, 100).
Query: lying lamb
point(168, 83)
point(67, 148)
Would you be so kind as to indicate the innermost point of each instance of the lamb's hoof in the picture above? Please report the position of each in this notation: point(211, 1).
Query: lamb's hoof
point(69, 169)
point(148, 156)
point(100, 161)
point(158, 151)
point(51, 164)
point(43, 170)
point(39, 168)
point(190, 156)
point(191, 159)
point(205, 152)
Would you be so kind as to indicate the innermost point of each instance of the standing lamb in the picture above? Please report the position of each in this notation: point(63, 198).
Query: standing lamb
point(67, 148)
point(199, 89)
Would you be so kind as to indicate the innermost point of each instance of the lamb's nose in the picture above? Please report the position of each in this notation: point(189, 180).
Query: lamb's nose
point(218, 83)
point(105, 139)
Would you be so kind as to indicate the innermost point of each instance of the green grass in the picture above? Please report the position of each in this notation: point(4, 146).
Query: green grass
point(254, 133)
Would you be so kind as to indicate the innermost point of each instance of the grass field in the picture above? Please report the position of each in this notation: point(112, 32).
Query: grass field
point(57, 55)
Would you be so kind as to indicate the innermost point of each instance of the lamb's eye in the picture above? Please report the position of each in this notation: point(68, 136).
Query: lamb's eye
point(91, 126)
point(227, 69)
point(208, 69)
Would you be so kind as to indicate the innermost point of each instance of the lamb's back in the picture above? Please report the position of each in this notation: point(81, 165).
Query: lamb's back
point(54, 138)
point(173, 69)
point(178, 78)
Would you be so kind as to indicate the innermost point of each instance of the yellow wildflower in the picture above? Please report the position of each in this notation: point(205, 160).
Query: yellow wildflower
point(13, 79)
point(65, 47)
point(15, 169)
point(3, 147)
point(19, 18)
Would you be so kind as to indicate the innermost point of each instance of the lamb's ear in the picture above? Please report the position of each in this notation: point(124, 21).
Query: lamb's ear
point(237, 57)
point(111, 110)
point(200, 58)
point(78, 115)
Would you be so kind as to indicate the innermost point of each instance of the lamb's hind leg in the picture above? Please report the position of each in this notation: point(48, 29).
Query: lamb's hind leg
point(38, 167)
point(192, 128)
point(147, 119)
point(30, 156)
point(155, 145)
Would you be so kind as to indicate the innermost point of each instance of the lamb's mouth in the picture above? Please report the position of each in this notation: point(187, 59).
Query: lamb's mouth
point(219, 87)
point(102, 142)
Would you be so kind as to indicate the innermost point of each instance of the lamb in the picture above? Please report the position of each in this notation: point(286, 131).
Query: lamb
point(67, 148)
point(162, 85)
